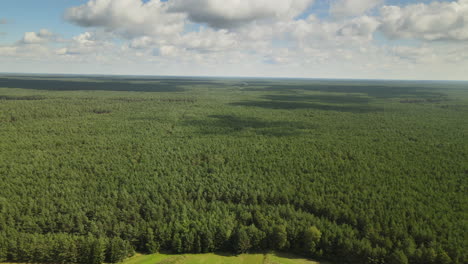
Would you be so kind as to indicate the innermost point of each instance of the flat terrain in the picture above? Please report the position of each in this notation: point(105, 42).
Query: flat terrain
point(95, 168)
point(214, 259)
point(211, 258)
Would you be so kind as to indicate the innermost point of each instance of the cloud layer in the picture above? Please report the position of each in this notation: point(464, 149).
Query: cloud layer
point(435, 21)
point(134, 18)
point(234, 13)
point(42, 36)
point(128, 17)
point(347, 8)
point(356, 38)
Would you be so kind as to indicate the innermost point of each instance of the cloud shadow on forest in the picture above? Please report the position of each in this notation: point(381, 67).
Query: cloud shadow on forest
point(230, 124)
point(375, 91)
point(92, 85)
point(340, 103)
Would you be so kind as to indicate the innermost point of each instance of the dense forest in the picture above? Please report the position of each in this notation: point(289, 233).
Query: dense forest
point(94, 169)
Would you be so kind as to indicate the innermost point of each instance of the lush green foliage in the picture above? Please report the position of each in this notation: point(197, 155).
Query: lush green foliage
point(93, 169)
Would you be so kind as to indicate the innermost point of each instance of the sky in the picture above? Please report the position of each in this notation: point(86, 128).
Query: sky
point(359, 39)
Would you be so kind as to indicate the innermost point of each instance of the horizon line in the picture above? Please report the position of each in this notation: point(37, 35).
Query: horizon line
point(225, 77)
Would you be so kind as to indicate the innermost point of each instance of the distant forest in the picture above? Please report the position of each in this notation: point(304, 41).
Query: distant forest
point(94, 169)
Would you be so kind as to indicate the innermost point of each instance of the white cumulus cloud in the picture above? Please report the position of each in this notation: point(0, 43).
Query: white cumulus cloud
point(209, 40)
point(234, 13)
point(42, 36)
point(435, 21)
point(8, 50)
point(128, 17)
point(87, 43)
point(363, 26)
point(347, 8)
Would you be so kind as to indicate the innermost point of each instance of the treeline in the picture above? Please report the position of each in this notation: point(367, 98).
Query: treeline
point(199, 226)
point(62, 248)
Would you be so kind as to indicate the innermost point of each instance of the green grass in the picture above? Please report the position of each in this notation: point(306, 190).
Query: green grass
point(212, 258)
point(146, 259)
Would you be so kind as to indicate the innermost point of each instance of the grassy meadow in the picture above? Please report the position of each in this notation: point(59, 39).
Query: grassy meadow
point(96, 168)
point(211, 258)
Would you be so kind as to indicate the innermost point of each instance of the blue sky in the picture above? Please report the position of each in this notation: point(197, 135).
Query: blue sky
point(391, 39)
point(29, 15)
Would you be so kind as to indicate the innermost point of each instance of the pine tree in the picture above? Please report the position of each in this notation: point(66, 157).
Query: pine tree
point(117, 250)
point(96, 251)
point(242, 241)
point(398, 257)
point(279, 237)
point(311, 240)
